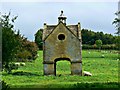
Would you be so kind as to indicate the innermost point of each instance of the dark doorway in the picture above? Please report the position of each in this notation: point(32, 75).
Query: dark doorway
point(62, 66)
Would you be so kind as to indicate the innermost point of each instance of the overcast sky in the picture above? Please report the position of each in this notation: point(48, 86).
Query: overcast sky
point(96, 16)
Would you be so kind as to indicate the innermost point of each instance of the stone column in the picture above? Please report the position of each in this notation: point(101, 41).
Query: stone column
point(76, 68)
point(48, 69)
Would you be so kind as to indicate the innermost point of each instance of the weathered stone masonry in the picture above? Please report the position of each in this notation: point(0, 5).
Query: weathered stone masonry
point(62, 42)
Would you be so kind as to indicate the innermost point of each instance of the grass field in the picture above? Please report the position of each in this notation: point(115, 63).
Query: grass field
point(102, 64)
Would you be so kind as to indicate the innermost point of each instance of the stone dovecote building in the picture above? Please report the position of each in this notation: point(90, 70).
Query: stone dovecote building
point(62, 42)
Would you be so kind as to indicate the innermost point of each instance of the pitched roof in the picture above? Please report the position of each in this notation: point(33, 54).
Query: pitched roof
point(74, 29)
point(50, 28)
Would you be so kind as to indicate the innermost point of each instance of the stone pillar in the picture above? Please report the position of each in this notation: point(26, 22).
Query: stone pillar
point(44, 31)
point(48, 69)
point(76, 68)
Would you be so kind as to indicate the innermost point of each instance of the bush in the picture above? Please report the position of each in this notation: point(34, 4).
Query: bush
point(98, 43)
point(109, 46)
point(27, 51)
point(38, 38)
point(23, 55)
point(5, 86)
point(32, 48)
point(103, 47)
point(85, 46)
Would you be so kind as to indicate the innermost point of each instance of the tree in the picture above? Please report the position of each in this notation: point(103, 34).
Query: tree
point(38, 38)
point(9, 42)
point(93, 36)
point(116, 22)
point(98, 43)
point(29, 49)
point(14, 45)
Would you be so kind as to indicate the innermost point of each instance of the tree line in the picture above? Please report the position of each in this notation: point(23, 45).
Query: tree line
point(89, 39)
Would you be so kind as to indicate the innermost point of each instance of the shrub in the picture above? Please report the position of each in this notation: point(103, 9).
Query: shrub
point(27, 51)
point(32, 48)
point(98, 43)
point(4, 86)
point(38, 38)
point(103, 47)
point(23, 55)
point(85, 46)
point(109, 46)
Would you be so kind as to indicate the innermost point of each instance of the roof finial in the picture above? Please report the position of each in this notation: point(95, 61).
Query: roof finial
point(61, 13)
point(62, 18)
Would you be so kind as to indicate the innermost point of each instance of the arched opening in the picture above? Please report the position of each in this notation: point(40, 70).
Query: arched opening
point(62, 66)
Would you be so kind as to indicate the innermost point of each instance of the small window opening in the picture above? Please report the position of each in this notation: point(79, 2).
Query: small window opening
point(61, 37)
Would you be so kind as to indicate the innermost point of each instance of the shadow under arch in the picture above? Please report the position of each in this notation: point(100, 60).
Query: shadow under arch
point(59, 59)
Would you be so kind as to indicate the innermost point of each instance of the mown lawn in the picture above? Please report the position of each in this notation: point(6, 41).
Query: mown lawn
point(103, 66)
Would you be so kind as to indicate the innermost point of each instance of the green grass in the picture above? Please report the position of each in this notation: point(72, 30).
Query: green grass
point(104, 73)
